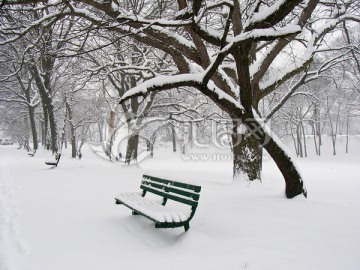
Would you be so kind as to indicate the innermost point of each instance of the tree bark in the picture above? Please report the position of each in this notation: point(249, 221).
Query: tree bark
point(304, 138)
point(33, 127)
point(132, 148)
point(48, 108)
point(52, 122)
point(72, 130)
point(293, 180)
point(173, 137)
point(100, 132)
point(247, 156)
point(45, 124)
point(31, 110)
point(347, 133)
point(111, 134)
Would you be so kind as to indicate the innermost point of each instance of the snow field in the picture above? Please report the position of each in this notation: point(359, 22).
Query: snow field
point(66, 217)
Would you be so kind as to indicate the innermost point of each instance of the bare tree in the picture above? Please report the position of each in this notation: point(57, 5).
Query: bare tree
point(224, 49)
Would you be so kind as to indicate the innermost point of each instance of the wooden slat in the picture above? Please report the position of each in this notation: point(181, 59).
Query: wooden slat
point(189, 194)
point(173, 183)
point(169, 196)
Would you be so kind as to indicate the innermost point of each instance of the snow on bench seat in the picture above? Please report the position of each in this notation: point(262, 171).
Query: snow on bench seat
point(153, 209)
point(55, 161)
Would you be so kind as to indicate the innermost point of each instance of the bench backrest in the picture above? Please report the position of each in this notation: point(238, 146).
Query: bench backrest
point(172, 190)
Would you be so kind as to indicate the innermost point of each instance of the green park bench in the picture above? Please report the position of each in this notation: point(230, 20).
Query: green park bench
point(163, 215)
point(54, 162)
point(32, 153)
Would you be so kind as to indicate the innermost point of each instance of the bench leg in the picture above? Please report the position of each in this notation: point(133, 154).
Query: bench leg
point(186, 226)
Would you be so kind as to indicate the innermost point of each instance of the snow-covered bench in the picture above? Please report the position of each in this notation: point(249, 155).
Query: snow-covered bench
point(55, 161)
point(32, 153)
point(164, 216)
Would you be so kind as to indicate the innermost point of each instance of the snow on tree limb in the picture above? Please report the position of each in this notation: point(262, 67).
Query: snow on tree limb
point(159, 22)
point(269, 16)
point(162, 83)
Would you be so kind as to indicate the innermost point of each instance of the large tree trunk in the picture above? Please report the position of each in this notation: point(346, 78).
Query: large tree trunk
point(293, 180)
point(48, 108)
point(49, 120)
point(247, 156)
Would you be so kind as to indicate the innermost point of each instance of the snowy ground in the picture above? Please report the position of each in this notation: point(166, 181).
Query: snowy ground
point(65, 218)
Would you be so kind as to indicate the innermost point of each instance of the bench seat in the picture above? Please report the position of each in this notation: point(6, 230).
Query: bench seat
point(54, 162)
point(51, 162)
point(153, 209)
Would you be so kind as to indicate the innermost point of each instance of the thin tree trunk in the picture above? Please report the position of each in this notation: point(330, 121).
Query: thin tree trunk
point(191, 138)
point(45, 129)
point(152, 144)
point(298, 139)
point(152, 150)
point(173, 137)
point(347, 133)
point(111, 135)
point(63, 130)
point(314, 137)
point(294, 141)
point(53, 127)
point(72, 130)
point(100, 133)
point(318, 127)
point(33, 127)
point(132, 148)
point(304, 138)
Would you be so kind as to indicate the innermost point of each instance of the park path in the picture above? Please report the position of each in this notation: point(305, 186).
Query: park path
point(11, 245)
